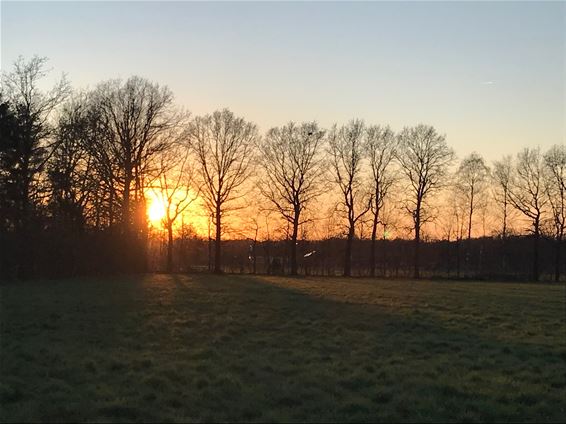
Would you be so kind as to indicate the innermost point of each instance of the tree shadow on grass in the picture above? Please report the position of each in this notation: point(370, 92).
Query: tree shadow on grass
point(310, 354)
point(227, 348)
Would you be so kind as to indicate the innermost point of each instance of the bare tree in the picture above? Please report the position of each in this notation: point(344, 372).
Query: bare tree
point(501, 185)
point(293, 170)
point(137, 119)
point(555, 164)
point(527, 195)
point(224, 145)
point(424, 157)
point(381, 147)
point(471, 183)
point(502, 173)
point(458, 214)
point(85, 124)
point(72, 179)
point(347, 153)
point(176, 190)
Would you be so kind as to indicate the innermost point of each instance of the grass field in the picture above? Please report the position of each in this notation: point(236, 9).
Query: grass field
point(242, 348)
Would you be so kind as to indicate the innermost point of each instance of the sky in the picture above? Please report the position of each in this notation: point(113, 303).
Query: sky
point(489, 75)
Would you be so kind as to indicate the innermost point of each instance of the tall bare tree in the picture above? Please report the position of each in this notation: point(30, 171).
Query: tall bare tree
point(224, 146)
point(72, 178)
point(425, 158)
point(527, 194)
point(293, 170)
point(137, 119)
point(176, 190)
point(502, 175)
point(471, 183)
point(555, 164)
point(381, 147)
point(452, 223)
point(346, 146)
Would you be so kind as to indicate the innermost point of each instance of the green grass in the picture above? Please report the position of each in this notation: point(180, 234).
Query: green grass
point(237, 348)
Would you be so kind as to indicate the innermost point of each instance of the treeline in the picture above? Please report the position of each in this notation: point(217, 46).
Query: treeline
point(76, 169)
point(482, 258)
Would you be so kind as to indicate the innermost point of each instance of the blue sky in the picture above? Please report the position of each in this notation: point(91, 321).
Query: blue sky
point(490, 75)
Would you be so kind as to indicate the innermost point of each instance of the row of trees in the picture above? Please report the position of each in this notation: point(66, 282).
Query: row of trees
point(77, 168)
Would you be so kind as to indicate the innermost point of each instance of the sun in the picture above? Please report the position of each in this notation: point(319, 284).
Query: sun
point(156, 210)
point(194, 216)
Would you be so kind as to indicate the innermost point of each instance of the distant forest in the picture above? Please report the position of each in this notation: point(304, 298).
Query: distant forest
point(115, 178)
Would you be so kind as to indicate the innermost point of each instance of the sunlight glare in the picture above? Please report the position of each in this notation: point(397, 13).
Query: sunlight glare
point(156, 211)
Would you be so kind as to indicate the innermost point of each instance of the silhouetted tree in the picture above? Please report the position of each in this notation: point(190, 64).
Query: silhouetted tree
point(175, 188)
point(555, 164)
point(471, 182)
point(424, 157)
point(527, 195)
point(137, 121)
point(224, 145)
point(136, 118)
point(105, 209)
point(9, 139)
point(501, 185)
point(26, 152)
point(453, 220)
point(70, 168)
point(502, 173)
point(381, 147)
point(346, 153)
point(9, 135)
point(293, 170)
point(26, 158)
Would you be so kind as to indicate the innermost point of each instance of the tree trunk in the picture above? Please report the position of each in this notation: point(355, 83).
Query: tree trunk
point(457, 257)
point(468, 244)
point(535, 252)
point(126, 201)
point(217, 251)
point(209, 254)
point(505, 254)
point(254, 257)
point(169, 247)
point(348, 255)
point(209, 244)
point(504, 233)
point(471, 214)
point(294, 268)
point(111, 208)
point(417, 274)
point(372, 249)
point(557, 259)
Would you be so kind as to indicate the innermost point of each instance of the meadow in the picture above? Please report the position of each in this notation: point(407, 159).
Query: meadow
point(257, 348)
